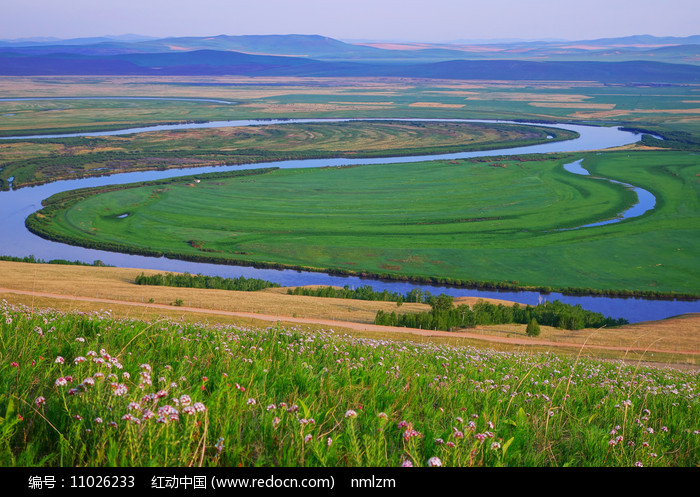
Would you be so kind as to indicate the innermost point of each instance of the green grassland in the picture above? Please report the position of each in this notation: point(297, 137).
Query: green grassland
point(670, 110)
point(484, 220)
point(40, 161)
point(90, 390)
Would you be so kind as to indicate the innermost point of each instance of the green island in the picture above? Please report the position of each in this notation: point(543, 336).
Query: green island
point(494, 222)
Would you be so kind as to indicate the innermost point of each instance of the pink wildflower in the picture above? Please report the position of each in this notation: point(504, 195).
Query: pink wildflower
point(434, 462)
point(408, 434)
point(119, 389)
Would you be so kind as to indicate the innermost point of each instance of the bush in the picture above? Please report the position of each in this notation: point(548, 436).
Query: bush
point(533, 328)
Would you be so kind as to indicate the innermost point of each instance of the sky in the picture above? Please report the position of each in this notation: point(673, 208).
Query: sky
point(380, 20)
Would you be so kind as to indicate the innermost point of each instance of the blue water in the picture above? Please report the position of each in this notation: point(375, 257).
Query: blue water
point(646, 201)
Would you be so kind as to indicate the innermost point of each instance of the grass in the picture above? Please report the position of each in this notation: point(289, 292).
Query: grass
point(484, 220)
point(40, 161)
point(317, 398)
point(330, 97)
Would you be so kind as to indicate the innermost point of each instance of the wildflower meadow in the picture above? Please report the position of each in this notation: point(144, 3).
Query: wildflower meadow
point(90, 390)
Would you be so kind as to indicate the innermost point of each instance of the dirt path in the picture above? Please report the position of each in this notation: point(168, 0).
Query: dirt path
point(342, 324)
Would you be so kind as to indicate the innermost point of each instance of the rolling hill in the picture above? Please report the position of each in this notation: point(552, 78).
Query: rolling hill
point(216, 62)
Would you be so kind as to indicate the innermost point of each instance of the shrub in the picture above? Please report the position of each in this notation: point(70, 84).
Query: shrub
point(533, 328)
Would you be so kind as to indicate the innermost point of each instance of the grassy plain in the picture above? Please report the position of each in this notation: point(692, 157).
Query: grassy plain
point(663, 108)
point(332, 97)
point(476, 219)
point(39, 161)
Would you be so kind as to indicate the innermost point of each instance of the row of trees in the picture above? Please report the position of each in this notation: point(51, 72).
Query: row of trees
point(365, 292)
point(445, 316)
point(188, 280)
point(33, 260)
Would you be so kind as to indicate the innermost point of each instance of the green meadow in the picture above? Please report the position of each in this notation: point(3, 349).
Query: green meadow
point(90, 390)
point(474, 220)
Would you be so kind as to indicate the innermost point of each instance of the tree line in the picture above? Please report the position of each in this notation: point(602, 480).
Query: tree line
point(445, 316)
point(188, 280)
point(30, 259)
point(365, 292)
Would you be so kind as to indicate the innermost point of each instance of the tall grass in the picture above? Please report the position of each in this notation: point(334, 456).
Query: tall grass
point(90, 390)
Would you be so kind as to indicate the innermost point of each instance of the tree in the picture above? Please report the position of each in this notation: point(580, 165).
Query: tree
point(533, 328)
point(441, 303)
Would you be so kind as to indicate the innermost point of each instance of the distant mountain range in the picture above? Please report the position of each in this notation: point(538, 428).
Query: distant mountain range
point(642, 59)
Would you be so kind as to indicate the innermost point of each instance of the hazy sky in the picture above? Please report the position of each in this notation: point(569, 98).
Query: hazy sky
point(417, 20)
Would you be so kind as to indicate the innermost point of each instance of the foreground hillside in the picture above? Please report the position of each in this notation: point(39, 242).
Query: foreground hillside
point(86, 389)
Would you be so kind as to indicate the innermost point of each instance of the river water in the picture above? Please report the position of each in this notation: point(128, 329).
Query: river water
point(646, 201)
point(17, 241)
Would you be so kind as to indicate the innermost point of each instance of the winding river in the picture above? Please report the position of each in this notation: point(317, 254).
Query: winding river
point(17, 241)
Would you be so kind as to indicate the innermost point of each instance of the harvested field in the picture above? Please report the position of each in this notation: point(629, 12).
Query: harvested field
point(436, 105)
point(529, 97)
point(573, 106)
